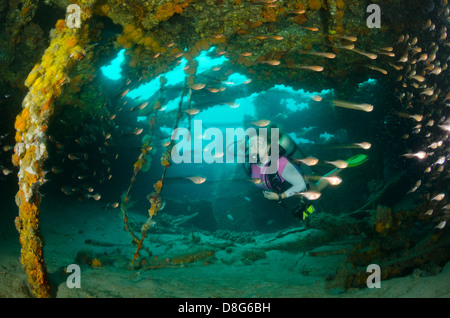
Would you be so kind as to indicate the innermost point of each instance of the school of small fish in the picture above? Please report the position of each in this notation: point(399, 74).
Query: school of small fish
point(419, 63)
point(420, 70)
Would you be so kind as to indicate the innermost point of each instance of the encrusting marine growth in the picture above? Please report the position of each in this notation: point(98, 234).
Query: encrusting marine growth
point(45, 83)
point(156, 202)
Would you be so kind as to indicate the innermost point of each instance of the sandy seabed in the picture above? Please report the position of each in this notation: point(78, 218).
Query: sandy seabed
point(235, 271)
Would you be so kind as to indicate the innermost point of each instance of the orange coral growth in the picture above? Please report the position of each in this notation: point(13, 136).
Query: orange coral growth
point(29, 155)
point(300, 19)
point(158, 186)
point(127, 45)
point(26, 114)
point(165, 159)
point(21, 122)
point(315, 4)
point(340, 29)
point(128, 28)
point(270, 15)
point(121, 40)
point(96, 263)
point(60, 25)
point(25, 11)
point(105, 9)
point(134, 62)
point(165, 11)
point(203, 45)
point(30, 178)
point(138, 165)
point(339, 14)
point(47, 106)
point(135, 35)
point(178, 9)
point(247, 63)
point(71, 42)
point(18, 137)
point(15, 157)
point(86, 12)
point(379, 227)
point(384, 219)
point(300, 6)
point(340, 4)
point(218, 40)
point(148, 42)
point(254, 25)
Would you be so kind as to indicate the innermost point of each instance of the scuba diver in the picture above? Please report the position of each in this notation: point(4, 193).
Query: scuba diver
point(288, 180)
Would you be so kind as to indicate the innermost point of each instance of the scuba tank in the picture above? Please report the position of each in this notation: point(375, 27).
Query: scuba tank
point(287, 148)
point(287, 145)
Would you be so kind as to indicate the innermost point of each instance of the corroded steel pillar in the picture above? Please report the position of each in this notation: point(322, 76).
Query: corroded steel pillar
point(45, 84)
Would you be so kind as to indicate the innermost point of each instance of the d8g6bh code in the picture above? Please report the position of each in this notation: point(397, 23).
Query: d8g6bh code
point(245, 307)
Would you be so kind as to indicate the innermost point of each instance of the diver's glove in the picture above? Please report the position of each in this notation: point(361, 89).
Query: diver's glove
point(272, 196)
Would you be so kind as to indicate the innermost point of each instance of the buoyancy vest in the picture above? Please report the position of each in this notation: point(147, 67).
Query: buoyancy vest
point(272, 181)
